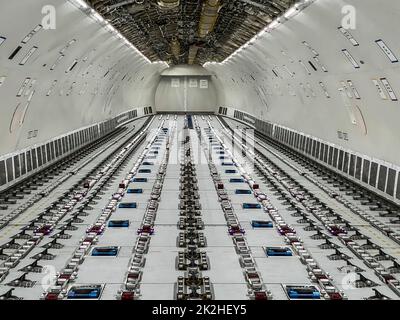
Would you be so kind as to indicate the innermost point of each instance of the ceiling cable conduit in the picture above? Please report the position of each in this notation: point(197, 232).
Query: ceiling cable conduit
point(175, 47)
point(208, 18)
point(192, 54)
point(206, 30)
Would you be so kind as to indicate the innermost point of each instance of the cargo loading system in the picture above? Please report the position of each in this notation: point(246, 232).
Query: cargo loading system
point(195, 207)
point(222, 154)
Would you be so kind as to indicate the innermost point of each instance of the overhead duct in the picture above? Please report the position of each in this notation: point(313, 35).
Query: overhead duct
point(208, 18)
point(217, 27)
point(168, 4)
point(175, 47)
point(192, 54)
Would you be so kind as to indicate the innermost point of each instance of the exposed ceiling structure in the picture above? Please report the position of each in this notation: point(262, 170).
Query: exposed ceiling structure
point(190, 31)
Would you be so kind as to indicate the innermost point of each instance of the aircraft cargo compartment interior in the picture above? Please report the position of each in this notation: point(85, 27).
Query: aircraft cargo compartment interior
point(206, 150)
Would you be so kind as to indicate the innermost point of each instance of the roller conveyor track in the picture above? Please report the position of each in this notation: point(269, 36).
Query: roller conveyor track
point(369, 207)
point(77, 173)
point(380, 212)
point(62, 214)
point(194, 213)
point(340, 218)
point(19, 198)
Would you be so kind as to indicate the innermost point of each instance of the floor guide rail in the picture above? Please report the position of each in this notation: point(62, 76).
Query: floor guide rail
point(183, 207)
point(256, 286)
point(41, 185)
point(192, 260)
point(381, 213)
point(130, 290)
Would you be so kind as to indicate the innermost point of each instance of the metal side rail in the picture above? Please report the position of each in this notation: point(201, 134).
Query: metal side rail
point(314, 170)
point(41, 227)
point(334, 223)
point(46, 191)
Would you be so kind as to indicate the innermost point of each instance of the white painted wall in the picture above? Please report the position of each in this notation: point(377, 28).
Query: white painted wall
point(284, 101)
point(95, 97)
point(189, 96)
point(186, 88)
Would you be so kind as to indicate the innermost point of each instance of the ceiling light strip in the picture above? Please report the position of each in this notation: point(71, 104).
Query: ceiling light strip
point(82, 5)
point(290, 13)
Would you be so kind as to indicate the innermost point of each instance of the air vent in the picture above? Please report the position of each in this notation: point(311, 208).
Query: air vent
point(350, 58)
point(28, 55)
point(349, 37)
point(72, 66)
point(57, 62)
point(386, 50)
point(389, 89)
point(31, 34)
point(12, 56)
point(313, 66)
